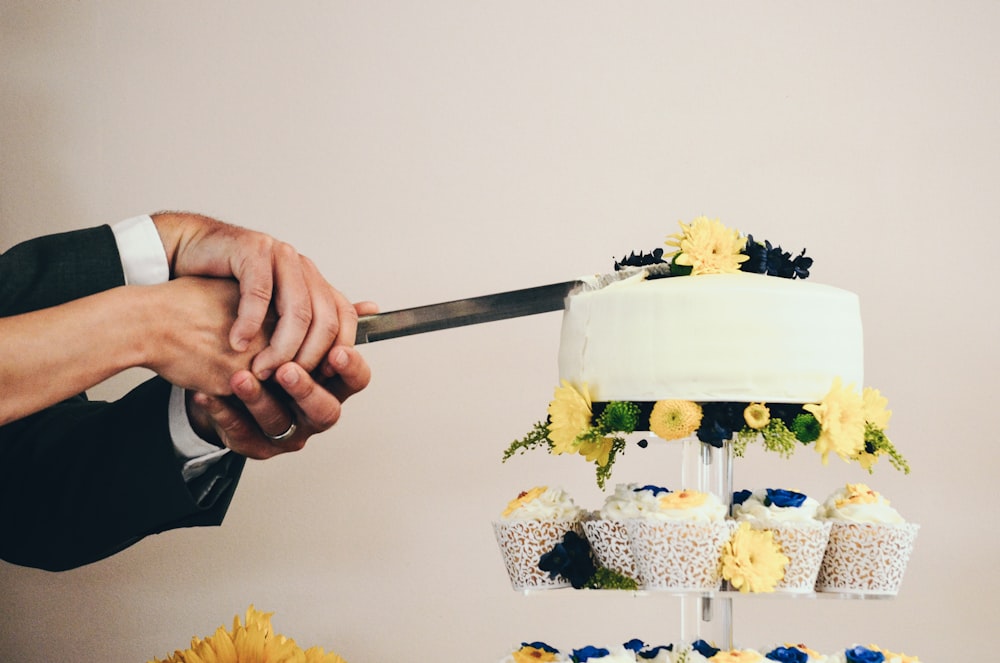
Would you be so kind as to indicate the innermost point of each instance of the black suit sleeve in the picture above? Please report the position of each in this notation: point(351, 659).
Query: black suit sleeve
point(82, 480)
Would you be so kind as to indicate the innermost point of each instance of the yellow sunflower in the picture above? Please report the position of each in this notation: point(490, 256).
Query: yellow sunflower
point(757, 415)
point(708, 247)
point(752, 561)
point(252, 642)
point(570, 414)
point(674, 420)
point(737, 656)
point(841, 418)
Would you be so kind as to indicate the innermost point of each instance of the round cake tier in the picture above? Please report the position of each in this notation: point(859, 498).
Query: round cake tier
point(720, 337)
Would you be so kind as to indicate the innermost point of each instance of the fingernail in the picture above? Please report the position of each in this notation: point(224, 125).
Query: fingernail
point(241, 344)
point(340, 359)
point(289, 377)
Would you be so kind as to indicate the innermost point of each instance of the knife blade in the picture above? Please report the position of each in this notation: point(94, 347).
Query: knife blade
point(462, 312)
point(489, 308)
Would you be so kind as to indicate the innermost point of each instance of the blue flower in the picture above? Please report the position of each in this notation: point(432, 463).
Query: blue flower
point(655, 651)
point(635, 644)
point(783, 498)
point(540, 645)
point(741, 496)
point(588, 652)
point(773, 261)
point(719, 421)
point(863, 655)
point(705, 649)
point(656, 490)
point(570, 559)
point(787, 655)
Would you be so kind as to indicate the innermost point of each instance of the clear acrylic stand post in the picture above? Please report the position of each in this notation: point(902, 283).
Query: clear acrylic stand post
point(707, 616)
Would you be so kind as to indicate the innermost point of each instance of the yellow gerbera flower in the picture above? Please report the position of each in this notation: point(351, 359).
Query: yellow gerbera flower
point(524, 498)
point(737, 656)
point(252, 642)
point(842, 422)
point(708, 247)
point(570, 414)
point(529, 654)
point(752, 561)
point(875, 408)
point(599, 451)
point(891, 657)
point(683, 499)
point(757, 415)
point(674, 420)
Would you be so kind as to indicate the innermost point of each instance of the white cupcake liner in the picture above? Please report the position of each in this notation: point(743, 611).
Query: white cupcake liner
point(866, 558)
point(679, 556)
point(522, 544)
point(610, 542)
point(805, 545)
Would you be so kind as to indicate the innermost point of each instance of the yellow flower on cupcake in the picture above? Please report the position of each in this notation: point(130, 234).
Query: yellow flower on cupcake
point(683, 499)
point(737, 656)
point(532, 654)
point(841, 418)
point(752, 561)
point(708, 247)
point(524, 498)
point(891, 657)
point(674, 420)
point(569, 414)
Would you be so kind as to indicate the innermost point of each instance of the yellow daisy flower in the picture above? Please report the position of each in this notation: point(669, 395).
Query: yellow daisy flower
point(874, 404)
point(674, 420)
point(737, 656)
point(891, 657)
point(858, 493)
point(708, 247)
point(599, 452)
point(683, 499)
point(524, 498)
point(842, 422)
point(752, 561)
point(570, 414)
point(757, 415)
point(529, 654)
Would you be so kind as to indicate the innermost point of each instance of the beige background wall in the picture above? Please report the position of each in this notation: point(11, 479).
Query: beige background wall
point(420, 152)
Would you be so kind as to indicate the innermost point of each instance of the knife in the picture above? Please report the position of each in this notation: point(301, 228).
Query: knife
point(485, 308)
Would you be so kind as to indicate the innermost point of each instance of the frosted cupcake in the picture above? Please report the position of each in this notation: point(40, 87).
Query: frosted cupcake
point(792, 518)
point(620, 654)
point(608, 533)
point(870, 543)
point(531, 526)
point(677, 543)
point(536, 652)
point(871, 654)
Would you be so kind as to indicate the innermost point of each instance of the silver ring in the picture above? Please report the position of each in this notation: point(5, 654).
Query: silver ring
point(284, 436)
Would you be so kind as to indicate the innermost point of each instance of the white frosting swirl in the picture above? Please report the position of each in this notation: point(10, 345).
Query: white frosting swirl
point(542, 503)
point(754, 509)
point(628, 502)
point(682, 505)
point(856, 503)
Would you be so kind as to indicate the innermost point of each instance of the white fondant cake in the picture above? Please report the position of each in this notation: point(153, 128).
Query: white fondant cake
point(715, 337)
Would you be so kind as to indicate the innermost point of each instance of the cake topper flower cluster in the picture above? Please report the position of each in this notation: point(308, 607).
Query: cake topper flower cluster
point(846, 422)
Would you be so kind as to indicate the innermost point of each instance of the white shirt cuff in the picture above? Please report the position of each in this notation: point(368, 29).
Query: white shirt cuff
point(198, 454)
point(143, 259)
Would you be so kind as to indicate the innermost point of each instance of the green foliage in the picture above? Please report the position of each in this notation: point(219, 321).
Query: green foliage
point(876, 442)
point(605, 578)
point(778, 438)
point(618, 417)
point(539, 436)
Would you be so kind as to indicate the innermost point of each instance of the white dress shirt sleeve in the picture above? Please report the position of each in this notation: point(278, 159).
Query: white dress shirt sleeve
point(145, 263)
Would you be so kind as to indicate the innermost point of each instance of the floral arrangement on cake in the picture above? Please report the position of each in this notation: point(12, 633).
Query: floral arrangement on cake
point(846, 422)
point(253, 641)
point(849, 424)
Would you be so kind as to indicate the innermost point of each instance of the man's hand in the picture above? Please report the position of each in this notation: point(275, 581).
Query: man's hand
point(312, 315)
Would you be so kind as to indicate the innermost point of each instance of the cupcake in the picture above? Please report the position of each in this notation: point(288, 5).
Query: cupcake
point(530, 527)
point(792, 518)
point(535, 652)
point(870, 543)
point(677, 542)
point(608, 533)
